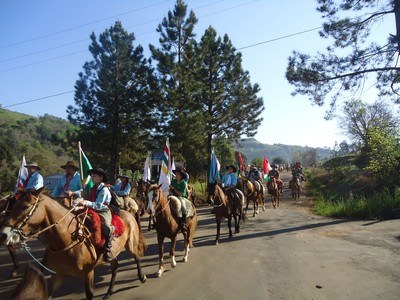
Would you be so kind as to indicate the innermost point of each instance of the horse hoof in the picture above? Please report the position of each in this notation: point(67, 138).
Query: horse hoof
point(143, 279)
point(216, 242)
point(184, 259)
point(159, 273)
point(237, 231)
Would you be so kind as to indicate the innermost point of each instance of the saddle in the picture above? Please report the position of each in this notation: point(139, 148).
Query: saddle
point(93, 223)
point(176, 206)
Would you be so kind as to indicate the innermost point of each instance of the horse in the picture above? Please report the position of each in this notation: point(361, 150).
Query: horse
point(191, 194)
point(32, 285)
point(224, 207)
point(167, 225)
point(6, 205)
point(273, 189)
point(69, 252)
point(295, 185)
point(251, 194)
point(141, 194)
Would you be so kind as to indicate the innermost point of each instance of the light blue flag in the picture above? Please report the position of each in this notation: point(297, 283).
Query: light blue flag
point(214, 168)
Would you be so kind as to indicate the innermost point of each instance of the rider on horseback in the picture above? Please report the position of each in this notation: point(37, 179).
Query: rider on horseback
point(123, 189)
point(256, 176)
point(274, 174)
point(99, 199)
point(229, 181)
point(178, 188)
point(70, 185)
point(34, 181)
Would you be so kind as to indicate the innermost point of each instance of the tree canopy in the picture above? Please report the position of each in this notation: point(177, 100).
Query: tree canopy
point(354, 55)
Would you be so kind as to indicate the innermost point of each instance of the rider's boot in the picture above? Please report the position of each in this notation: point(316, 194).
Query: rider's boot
point(107, 252)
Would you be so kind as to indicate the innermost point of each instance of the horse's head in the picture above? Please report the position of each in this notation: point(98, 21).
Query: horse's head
point(142, 188)
point(25, 217)
point(154, 195)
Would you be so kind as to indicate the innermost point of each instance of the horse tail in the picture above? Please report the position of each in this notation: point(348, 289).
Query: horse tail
point(142, 245)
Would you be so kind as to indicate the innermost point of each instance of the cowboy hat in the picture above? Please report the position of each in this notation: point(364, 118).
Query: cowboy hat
point(231, 166)
point(69, 164)
point(124, 176)
point(182, 171)
point(98, 171)
point(33, 165)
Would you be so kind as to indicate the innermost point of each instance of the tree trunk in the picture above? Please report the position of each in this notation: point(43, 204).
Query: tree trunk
point(396, 4)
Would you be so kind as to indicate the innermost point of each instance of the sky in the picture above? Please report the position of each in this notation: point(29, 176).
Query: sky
point(44, 44)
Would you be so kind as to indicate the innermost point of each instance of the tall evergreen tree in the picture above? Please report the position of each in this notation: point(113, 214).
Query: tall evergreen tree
point(176, 66)
point(228, 100)
point(115, 100)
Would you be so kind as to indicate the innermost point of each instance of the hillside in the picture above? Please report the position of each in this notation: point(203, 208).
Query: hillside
point(252, 148)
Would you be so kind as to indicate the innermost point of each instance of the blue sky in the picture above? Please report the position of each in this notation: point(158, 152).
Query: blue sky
point(44, 44)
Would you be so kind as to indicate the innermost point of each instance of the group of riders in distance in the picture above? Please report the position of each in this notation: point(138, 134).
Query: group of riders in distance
point(90, 228)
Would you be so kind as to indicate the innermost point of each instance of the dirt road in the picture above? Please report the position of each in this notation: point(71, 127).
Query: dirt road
point(284, 253)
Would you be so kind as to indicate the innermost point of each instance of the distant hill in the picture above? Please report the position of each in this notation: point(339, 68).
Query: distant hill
point(252, 148)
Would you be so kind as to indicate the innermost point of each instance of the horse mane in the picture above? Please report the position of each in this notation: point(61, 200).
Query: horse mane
point(223, 198)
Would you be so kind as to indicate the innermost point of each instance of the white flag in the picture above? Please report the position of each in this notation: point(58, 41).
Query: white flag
point(146, 172)
point(22, 174)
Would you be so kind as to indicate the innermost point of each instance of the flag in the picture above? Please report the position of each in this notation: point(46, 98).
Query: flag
point(22, 174)
point(242, 166)
point(172, 165)
point(165, 174)
point(146, 172)
point(266, 165)
point(85, 166)
point(214, 168)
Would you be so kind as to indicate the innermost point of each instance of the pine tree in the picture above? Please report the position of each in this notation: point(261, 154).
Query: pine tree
point(115, 100)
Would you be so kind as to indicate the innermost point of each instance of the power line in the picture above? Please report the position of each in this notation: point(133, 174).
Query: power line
point(38, 99)
point(279, 38)
point(80, 26)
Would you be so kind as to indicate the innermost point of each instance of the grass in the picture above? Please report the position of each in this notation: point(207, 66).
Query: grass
point(330, 202)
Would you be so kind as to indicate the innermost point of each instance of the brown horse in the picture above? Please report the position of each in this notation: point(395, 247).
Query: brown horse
point(295, 185)
point(167, 225)
point(32, 286)
point(251, 194)
point(273, 189)
point(68, 252)
point(224, 207)
point(6, 205)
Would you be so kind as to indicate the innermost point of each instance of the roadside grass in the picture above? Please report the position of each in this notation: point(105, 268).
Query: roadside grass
point(336, 199)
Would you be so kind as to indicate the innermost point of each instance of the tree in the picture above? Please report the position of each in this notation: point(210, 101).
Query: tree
point(358, 118)
point(115, 100)
point(227, 100)
point(354, 56)
point(175, 68)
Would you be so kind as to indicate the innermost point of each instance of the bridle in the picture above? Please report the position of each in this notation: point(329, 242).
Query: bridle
point(18, 229)
point(158, 203)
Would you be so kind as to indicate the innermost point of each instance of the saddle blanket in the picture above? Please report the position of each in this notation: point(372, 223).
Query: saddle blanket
point(176, 206)
point(98, 238)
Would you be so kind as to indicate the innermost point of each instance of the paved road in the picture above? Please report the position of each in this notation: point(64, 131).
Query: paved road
point(284, 253)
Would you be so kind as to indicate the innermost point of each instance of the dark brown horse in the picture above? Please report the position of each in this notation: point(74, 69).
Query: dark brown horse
point(167, 226)
point(141, 194)
point(295, 185)
point(225, 207)
point(251, 194)
point(32, 286)
point(68, 251)
point(6, 205)
point(273, 189)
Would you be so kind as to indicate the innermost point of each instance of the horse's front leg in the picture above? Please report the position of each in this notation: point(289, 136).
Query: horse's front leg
point(89, 285)
point(230, 225)
point(237, 217)
point(218, 220)
point(13, 254)
point(247, 204)
point(161, 268)
point(114, 271)
point(172, 252)
point(55, 282)
point(254, 207)
point(149, 227)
